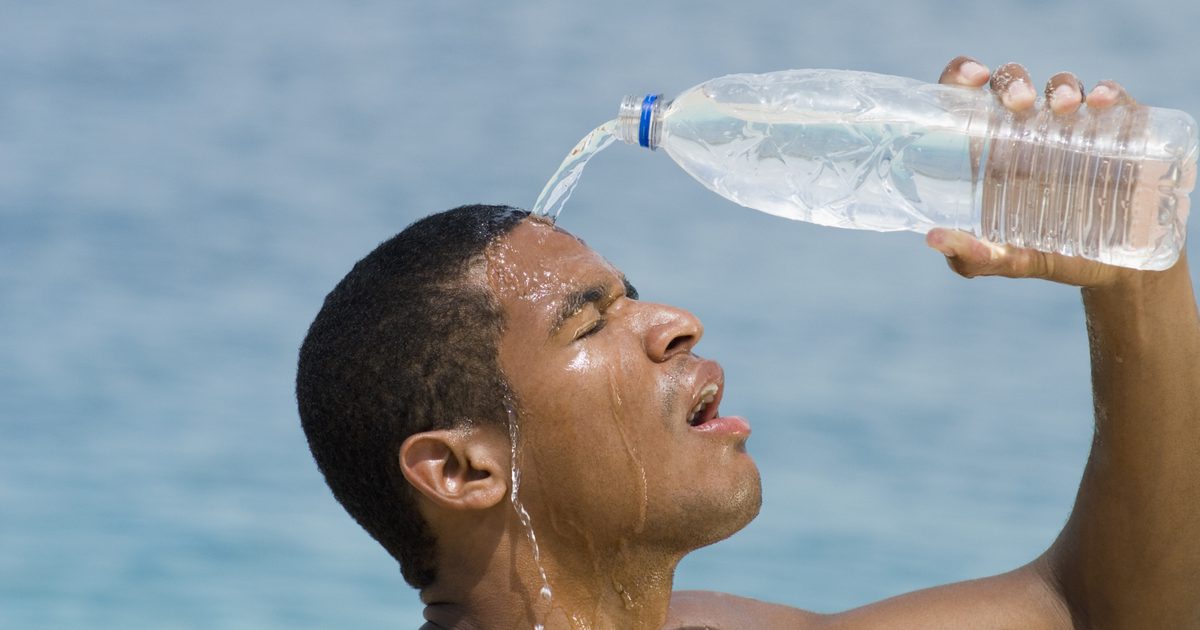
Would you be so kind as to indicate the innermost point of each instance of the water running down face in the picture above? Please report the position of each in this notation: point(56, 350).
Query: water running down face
point(624, 448)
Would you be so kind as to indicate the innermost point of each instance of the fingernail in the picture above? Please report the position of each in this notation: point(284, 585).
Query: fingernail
point(1018, 92)
point(973, 71)
point(1064, 94)
point(1103, 92)
point(1023, 91)
point(936, 238)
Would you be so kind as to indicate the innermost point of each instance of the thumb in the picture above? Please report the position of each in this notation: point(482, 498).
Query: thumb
point(970, 257)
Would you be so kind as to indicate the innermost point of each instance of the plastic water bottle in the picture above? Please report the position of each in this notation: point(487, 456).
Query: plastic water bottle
point(870, 151)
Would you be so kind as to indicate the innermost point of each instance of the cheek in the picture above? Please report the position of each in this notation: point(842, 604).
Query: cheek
point(601, 385)
point(582, 362)
point(589, 458)
point(582, 476)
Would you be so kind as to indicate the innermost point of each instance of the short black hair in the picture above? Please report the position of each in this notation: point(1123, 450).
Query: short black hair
point(407, 342)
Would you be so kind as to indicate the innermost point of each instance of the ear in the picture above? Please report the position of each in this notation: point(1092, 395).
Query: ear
point(458, 469)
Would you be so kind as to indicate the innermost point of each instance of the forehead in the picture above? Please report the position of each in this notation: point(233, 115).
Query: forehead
point(536, 264)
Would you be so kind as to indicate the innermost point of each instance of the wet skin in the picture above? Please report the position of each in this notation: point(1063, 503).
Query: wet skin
point(618, 482)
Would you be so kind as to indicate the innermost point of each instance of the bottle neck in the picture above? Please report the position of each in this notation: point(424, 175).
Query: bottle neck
point(639, 120)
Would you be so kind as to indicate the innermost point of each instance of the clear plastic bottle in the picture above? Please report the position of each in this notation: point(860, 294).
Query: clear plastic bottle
point(870, 151)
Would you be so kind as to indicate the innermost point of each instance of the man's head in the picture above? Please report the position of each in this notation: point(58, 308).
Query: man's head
point(406, 343)
point(410, 372)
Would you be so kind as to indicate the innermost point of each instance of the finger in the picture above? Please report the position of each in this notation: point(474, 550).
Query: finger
point(1014, 87)
point(1107, 94)
point(970, 257)
point(966, 71)
point(1064, 93)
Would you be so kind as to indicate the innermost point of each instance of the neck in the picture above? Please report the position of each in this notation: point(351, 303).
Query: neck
point(590, 586)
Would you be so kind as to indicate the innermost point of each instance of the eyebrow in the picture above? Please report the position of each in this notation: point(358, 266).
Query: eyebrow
point(630, 290)
point(591, 294)
point(575, 301)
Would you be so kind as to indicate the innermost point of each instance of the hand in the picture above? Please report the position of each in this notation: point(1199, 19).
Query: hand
point(971, 257)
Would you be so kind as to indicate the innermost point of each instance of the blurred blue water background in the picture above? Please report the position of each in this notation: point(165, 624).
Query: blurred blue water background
point(181, 183)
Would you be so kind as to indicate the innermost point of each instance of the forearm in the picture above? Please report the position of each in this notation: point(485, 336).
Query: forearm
point(1130, 553)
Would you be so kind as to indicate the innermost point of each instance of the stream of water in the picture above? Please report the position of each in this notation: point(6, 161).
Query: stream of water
point(514, 435)
point(556, 192)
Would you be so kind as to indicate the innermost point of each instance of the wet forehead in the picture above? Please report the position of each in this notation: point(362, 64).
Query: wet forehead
point(535, 266)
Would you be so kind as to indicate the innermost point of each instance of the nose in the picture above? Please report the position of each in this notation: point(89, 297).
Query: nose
point(674, 331)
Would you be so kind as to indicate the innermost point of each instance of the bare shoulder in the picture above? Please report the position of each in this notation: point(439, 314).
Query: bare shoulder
point(697, 610)
point(1022, 598)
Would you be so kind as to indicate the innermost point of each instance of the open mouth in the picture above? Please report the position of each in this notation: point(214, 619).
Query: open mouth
point(704, 417)
point(706, 407)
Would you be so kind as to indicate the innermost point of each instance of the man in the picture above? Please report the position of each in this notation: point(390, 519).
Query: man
point(490, 400)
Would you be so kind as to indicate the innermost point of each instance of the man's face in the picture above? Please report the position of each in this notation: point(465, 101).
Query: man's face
point(621, 436)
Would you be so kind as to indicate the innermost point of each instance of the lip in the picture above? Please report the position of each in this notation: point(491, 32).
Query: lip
point(710, 373)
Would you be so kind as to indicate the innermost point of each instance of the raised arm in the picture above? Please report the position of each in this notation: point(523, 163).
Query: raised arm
point(1129, 556)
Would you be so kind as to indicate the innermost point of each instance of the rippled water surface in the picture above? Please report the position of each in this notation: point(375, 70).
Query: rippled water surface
point(181, 184)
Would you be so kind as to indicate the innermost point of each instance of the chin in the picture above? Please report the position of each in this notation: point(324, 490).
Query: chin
point(716, 519)
point(744, 505)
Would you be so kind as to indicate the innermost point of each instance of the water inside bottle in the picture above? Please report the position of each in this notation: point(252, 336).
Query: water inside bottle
point(556, 191)
point(1054, 198)
point(1078, 186)
point(828, 168)
point(514, 434)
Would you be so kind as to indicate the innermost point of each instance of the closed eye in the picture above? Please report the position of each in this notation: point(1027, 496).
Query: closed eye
point(593, 328)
